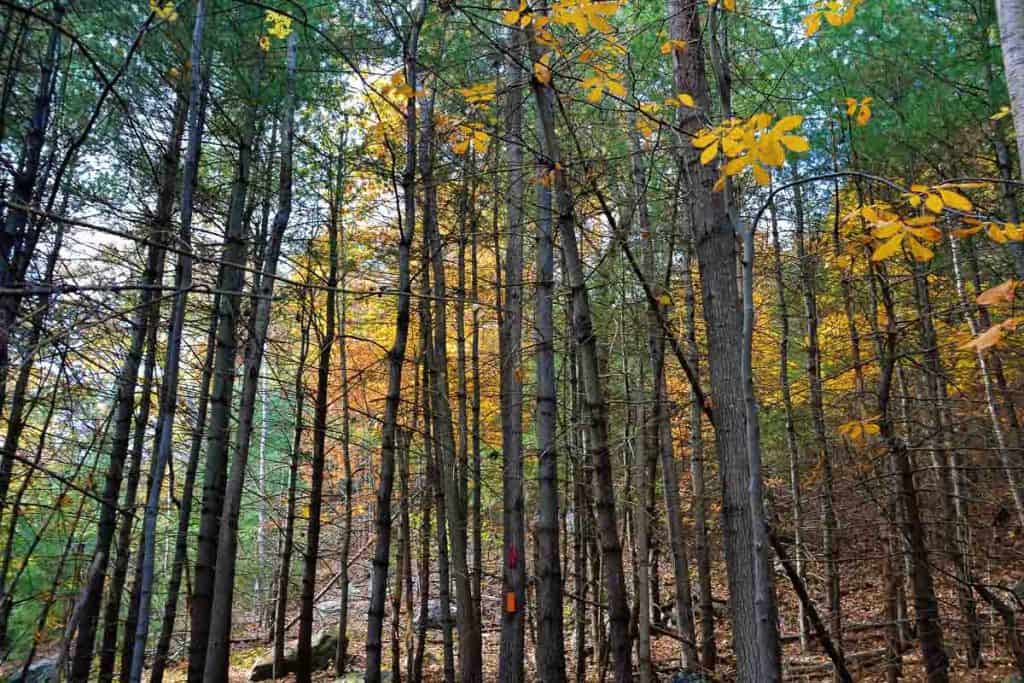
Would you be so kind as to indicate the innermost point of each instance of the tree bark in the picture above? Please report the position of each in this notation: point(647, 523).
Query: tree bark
point(219, 643)
point(715, 238)
point(396, 359)
point(597, 407)
point(230, 282)
point(510, 316)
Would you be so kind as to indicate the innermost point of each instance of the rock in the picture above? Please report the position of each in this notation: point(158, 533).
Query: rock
point(688, 677)
point(42, 671)
point(360, 676)
point(328, 608)
point(434, 620)
point(324, 645)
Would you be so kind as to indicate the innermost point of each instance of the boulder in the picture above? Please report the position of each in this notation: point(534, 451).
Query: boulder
point(360, 676)
point(324, 646)
point(688, 677)
point(434, 621)
point(42, 671)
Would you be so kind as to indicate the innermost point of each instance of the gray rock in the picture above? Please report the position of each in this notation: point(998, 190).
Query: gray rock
point(324, 645)
point(360, 676)
point(434, 621)
point(41, 671)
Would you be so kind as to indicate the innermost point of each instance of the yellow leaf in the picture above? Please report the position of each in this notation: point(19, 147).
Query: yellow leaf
point(761, 176)
point(665, 300)
point(851, 105)
point(995, 234)
point(812, 24)
point(920, 252)
point(1000, 294)
point(931, 234)
point(967, 232)
point(864, 115)
point(709, 153)
point(887, 230)
point(542, 69)
point(795, 143)
point(704, 139)
point(719, 184)
point(736, 166)
point(1003, 112)
point(888, 249)
point(788, 123)
point(615, 88)
point(955, 200)
point(461, 147)
point(670, 45)
point(933, 203)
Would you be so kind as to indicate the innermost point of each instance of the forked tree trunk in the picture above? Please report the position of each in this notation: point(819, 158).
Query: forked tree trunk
point(172, 362)
point(218, 442)
point(219, 644)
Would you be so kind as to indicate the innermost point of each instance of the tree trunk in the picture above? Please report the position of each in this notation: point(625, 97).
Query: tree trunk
point(218, 441)
point(715, 237)
point(22, 194)
point(181, 544)
point(396, 359)
point(219, 643)
point(172, 361)
point(926, 606)
point(661, 416)
point(792, 445)
point(550, 628)
point(152, 275)
point(597, 408)
point(288, 543)
point(1010, 14)
point(510, 316)
point(808, 274)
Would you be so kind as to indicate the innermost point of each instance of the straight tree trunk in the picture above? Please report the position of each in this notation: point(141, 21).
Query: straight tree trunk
point(550, 647)
point(926, 606)
point(152, 275)
point(808, 274)
point(288, 543)
point(661, 417)
point(1010, 15)
point(510, 316)
point(641, 515)
point(792, 445)
point(597, 407)
point(470, 651)
point(702, 547)
point(396, 359)
point(23, 191)
point(311, 553)
point(755, 637)
point(163, 646)
point(341, 656)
